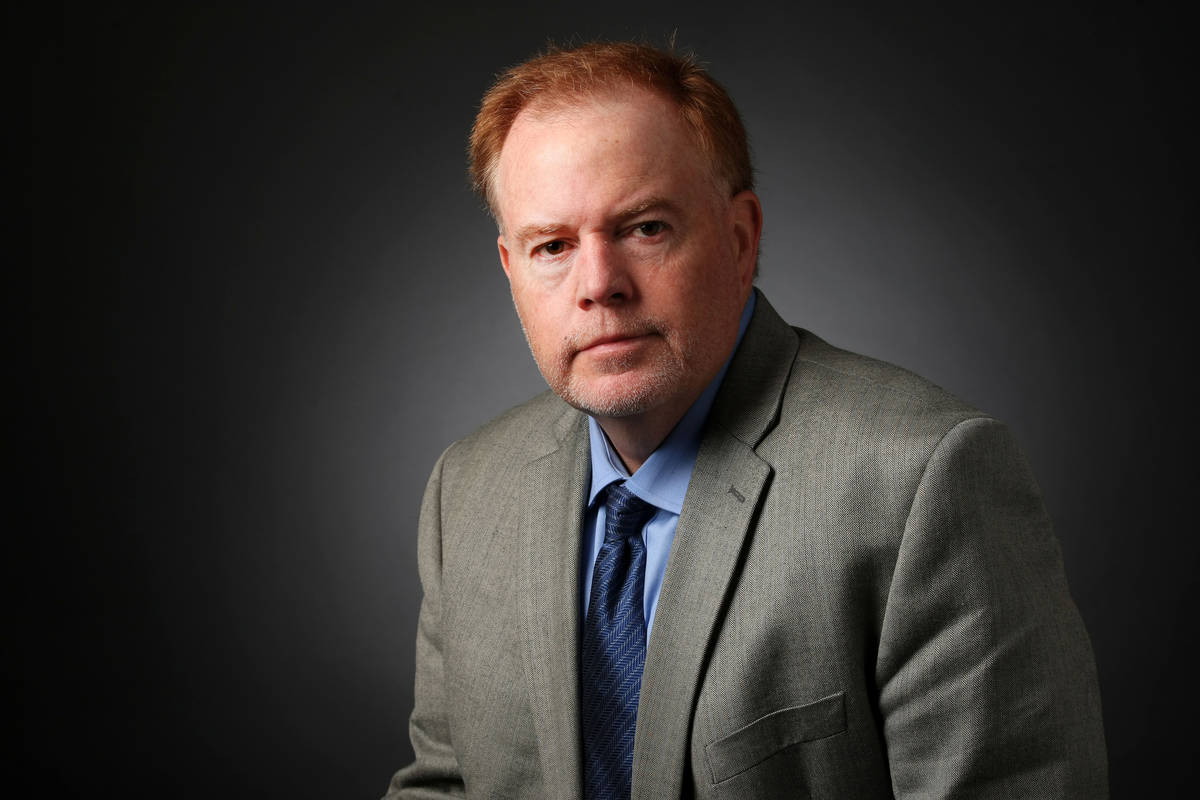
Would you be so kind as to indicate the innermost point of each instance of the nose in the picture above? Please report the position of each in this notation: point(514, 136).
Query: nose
point(602, 275)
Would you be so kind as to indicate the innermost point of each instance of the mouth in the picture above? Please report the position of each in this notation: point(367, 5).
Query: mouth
point(615, 343)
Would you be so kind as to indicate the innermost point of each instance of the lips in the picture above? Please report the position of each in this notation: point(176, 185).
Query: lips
point(614, 345)
point(612, 339)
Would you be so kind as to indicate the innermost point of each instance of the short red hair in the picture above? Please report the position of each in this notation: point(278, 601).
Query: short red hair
point(605, 67)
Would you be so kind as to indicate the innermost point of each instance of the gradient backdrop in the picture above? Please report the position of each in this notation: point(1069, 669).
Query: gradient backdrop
point(263, 301)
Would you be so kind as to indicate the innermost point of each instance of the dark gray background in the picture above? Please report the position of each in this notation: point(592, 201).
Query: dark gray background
point(263, 301)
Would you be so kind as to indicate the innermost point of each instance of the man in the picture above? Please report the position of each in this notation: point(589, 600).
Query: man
point(722, 558)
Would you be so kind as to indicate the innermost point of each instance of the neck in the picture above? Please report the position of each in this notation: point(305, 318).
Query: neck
point(636, 437)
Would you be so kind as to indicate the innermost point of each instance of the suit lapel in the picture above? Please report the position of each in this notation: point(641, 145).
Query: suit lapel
point(550, 498)
point(722, 499)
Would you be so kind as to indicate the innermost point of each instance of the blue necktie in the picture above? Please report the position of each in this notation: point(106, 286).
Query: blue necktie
point(614, 649)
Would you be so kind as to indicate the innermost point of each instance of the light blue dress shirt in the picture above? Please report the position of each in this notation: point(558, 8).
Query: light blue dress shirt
point(661, 481)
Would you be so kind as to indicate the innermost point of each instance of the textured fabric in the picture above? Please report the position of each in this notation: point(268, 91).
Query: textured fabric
point(614, 649)
point(864, 599)
point(661, 481)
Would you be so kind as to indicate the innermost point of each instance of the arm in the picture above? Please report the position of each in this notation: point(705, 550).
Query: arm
point(434, 773)
point(987, 684)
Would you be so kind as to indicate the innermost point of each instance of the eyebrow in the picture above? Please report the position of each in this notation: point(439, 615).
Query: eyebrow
point(646, 205)
point(528, 232)
point(537, 230)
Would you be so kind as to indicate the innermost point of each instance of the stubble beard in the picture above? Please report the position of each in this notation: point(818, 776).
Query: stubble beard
point(657, 380)
point(661, 373)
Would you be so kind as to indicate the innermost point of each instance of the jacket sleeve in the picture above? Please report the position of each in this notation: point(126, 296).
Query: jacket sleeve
point(434, 772)
point(987, 683)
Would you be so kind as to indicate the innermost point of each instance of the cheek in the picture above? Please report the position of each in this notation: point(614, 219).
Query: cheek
point(540, 328)
point(701, 286)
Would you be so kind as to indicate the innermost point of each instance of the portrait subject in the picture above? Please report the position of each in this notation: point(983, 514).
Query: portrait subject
point(719, 557)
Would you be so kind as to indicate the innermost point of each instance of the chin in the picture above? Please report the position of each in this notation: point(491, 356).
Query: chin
point(618, 396)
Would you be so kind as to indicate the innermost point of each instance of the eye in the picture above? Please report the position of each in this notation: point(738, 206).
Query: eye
point(650, 228)
point(553, 248)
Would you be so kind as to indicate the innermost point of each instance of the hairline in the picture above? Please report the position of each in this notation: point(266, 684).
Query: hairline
point(540, 107)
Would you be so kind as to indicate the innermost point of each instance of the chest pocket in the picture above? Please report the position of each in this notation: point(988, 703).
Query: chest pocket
point(766, 736)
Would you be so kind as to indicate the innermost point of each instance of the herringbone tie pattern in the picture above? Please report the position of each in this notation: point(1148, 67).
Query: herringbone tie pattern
point(614, 648)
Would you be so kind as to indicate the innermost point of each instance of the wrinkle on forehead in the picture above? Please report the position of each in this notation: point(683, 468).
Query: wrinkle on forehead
point(585, 111)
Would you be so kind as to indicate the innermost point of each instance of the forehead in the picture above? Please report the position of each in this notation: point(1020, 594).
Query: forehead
point(589, 152)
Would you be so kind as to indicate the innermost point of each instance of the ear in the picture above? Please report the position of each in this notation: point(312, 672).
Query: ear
point(747, 229)
point(503, 256)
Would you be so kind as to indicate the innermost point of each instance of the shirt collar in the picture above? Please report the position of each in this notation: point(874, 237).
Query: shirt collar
point(663, 479)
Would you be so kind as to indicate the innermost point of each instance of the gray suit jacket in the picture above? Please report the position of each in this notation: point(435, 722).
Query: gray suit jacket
point(864, 599)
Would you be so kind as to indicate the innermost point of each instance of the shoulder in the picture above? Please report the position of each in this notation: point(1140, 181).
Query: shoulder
point(788, 388)
point(864, 409)
point(516, 437)
point(870, 449)
point(846, 377)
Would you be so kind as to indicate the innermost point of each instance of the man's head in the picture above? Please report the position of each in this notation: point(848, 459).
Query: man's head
point(563, 77)
point(629, 248)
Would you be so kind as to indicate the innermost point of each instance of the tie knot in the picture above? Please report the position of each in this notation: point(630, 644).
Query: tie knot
point(624, 513)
